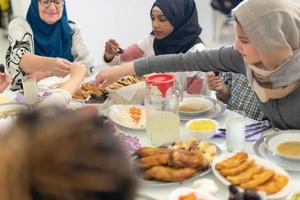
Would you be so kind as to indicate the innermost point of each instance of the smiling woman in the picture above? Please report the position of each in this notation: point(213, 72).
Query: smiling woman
point(46, 44)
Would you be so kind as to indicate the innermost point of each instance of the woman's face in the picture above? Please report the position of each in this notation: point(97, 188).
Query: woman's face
point(160, 24)
point(245, 47)
point(50, 13)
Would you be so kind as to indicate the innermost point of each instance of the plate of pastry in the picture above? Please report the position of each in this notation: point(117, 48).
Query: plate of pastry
point(252, 172)
point(173, 164)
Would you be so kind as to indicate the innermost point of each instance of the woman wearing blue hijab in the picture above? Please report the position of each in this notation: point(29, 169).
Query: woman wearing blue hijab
point(175, 29)
point(44, 44)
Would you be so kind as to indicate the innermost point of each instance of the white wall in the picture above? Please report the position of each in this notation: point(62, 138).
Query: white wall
point(124, 20)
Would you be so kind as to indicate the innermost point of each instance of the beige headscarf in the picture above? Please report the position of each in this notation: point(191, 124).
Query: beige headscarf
point(273, 27)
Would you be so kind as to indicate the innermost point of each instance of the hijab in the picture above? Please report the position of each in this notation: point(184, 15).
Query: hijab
point(51, 40)
point(273, 27)
point(182, 14)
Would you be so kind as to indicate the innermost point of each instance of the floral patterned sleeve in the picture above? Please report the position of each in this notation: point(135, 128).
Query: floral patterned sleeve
point(20, 42)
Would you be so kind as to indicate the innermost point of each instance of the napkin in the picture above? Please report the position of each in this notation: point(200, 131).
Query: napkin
point(132, 94)
point(253, 131)
point(130, 143)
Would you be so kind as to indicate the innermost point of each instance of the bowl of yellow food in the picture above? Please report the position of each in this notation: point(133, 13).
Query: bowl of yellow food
point(202, 128)
point(294, 195)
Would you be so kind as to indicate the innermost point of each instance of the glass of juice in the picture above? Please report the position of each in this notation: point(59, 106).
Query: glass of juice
point(30, 90)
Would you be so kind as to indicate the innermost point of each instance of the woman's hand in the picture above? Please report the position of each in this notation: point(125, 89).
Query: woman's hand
point(5, 80)
point(78, 71)
point(59, 66)
point(39, 75)
point(111, 50)
point(108, 75)
point(216, 83)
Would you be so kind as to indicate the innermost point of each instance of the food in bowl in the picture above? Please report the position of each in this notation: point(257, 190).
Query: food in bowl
point(294, 196)
point(289, 148)
point(195, 105)
point(202, 128)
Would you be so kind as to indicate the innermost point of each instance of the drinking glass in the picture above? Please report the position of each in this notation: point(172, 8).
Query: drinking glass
point(235, 131)
point(30, 90)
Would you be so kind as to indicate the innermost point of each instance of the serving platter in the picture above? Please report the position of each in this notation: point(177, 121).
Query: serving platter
point(156, 183)
point(261, 162)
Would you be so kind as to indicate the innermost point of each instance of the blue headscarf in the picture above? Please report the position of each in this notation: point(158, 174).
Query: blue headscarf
point(182, 14)
point(53, 40)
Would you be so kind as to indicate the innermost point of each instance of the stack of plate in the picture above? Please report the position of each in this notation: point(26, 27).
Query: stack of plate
point(8, 114)
point(282, 148)
point(198, 106)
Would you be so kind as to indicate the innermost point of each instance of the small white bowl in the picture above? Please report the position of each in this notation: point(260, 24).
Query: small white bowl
point(205, 134)
point(291, 196)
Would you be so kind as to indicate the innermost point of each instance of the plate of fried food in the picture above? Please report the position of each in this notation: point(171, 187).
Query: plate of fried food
point(91, 89)
point(128, 116)
point(87, 90)
point(252, 172)
point(176, 163)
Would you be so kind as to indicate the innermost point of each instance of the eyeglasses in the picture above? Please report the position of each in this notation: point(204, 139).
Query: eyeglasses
point(47, 3)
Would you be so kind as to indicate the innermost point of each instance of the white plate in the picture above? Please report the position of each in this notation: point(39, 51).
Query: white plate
point(114, 114)
point(6, 121)
point(155, 183)
point(52, 82)
point(288, 164)
point(272, 141)
point(261, 162)
point(204, 100)
point(218, 110)
point(175, 194)
point(7, 96)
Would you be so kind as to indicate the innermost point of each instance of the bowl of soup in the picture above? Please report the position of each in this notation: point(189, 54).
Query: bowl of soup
point(285, 144)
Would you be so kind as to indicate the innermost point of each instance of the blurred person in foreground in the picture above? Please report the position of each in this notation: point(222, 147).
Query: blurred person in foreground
point(59, 154)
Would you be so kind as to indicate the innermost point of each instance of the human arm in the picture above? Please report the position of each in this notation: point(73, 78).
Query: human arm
point(63, 95)
point(216, 83)
point(223, 59)
point(31, 63)
point(142, 48)
point(20, 58)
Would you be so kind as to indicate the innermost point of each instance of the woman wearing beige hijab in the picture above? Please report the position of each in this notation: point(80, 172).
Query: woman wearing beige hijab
point(266, 51)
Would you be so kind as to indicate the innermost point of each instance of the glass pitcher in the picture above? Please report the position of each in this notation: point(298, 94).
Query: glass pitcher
point(162, 105)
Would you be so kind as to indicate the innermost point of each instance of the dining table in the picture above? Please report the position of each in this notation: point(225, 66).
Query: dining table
point(160, 192)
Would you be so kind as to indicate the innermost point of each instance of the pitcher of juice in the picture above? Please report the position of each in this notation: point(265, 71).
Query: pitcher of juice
point(162, 105)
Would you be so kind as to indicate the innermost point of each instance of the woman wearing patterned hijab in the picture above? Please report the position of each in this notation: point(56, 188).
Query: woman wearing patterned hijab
point(266, 51)
point(44, 44)
point(175, 29)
